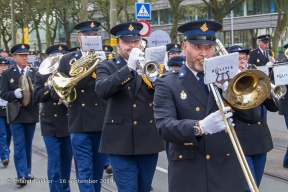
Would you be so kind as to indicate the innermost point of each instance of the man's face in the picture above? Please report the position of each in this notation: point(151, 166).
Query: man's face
point(3, 67)
point(263, 45)
point(21, 60)
point(125, 47)
point(173, 53)
point(242, 64)
point(4, 54)
point(196, 53)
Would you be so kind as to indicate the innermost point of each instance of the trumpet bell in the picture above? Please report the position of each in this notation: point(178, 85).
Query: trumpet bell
point(50, 64)
point(248, 89)
point(151, 69)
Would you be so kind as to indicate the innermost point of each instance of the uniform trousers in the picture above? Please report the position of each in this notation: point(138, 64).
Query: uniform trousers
point(59, 153)
point(22, 138)
point(256, 164)
point(107, 162)
point(286, 155)
point(133, 173)
point(89, 163)
point(5, 138)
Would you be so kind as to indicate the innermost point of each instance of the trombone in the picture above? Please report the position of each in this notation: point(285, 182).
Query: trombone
point(244, 86)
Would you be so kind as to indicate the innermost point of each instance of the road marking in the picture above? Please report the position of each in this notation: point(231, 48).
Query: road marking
point(161, 169)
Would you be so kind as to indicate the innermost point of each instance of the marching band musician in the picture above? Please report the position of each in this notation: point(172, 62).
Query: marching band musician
point(23, 125)
point(188, 118)
point(54, 129)
point(175, 63)
point(129, 136)
point(254, 136)
point(5, 133)
point(261, 56)
point(173, 49)
point(283, 110)
point(85, 118)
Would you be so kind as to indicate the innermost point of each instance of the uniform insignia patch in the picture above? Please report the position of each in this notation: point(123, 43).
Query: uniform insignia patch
point(258, 60)
point(92, 25)
point(181, 74)
point(131, 28)
point(94, 75)
point(11, 80)
point(183, 95)
point(204, 27)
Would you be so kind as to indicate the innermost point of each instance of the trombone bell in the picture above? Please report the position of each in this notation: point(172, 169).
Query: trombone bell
point(248, 89)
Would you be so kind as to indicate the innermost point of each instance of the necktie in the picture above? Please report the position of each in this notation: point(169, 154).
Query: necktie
point(201, 81)
point(22, 72)
point(264, 53)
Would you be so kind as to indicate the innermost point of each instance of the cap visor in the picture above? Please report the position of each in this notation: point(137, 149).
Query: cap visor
point(201, 42)
point(265, 41)
point(89, 32)
point(130, 38)
point(21, 53)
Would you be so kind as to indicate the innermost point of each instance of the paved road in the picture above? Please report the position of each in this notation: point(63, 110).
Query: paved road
point(160, 183)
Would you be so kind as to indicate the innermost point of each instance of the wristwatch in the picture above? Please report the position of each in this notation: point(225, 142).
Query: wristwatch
point(197, 130)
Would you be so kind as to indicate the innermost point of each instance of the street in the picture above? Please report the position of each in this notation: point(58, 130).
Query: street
point(275, 178)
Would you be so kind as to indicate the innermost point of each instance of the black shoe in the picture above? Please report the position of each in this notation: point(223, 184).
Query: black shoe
point(21, 181)
point(5, 162)
point(108, 169)
point(285, 165)
point(30, 177)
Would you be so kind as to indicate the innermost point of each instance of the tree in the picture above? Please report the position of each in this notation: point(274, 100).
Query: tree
point(221, 8)
point(282, 23)
point(174, 4)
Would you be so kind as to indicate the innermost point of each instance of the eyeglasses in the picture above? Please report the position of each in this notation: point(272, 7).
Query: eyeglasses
point(243, 58)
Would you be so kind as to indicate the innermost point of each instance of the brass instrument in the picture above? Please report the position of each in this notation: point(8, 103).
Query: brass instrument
point(26, 85)
point(64, 85)
point(246, 90)
point(49, 66)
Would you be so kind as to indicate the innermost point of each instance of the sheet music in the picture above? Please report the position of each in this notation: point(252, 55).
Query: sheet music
point(224, 66)
point(90, 43)
point(280, 75)
point(156, 54)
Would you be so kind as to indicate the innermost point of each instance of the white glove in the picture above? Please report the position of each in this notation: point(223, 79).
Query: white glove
point(214, 122)
point(269, 64)
point(223, 87)
point(135, 55)
point(18, 93)
point(152, 79)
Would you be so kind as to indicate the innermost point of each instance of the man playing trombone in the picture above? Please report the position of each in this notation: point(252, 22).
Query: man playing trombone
point(187, 116)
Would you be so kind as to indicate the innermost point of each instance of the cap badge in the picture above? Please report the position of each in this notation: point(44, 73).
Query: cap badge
point(131, 28)
point(267, 37)
point(183, 95)
point(176, 45)
point(78, 49)
point(3, 61)
point(60, 48)
point(92, 25)
point(183, 62)
point(23, 47)
point(239, 48)
point(204, 27)
point(106, 48)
